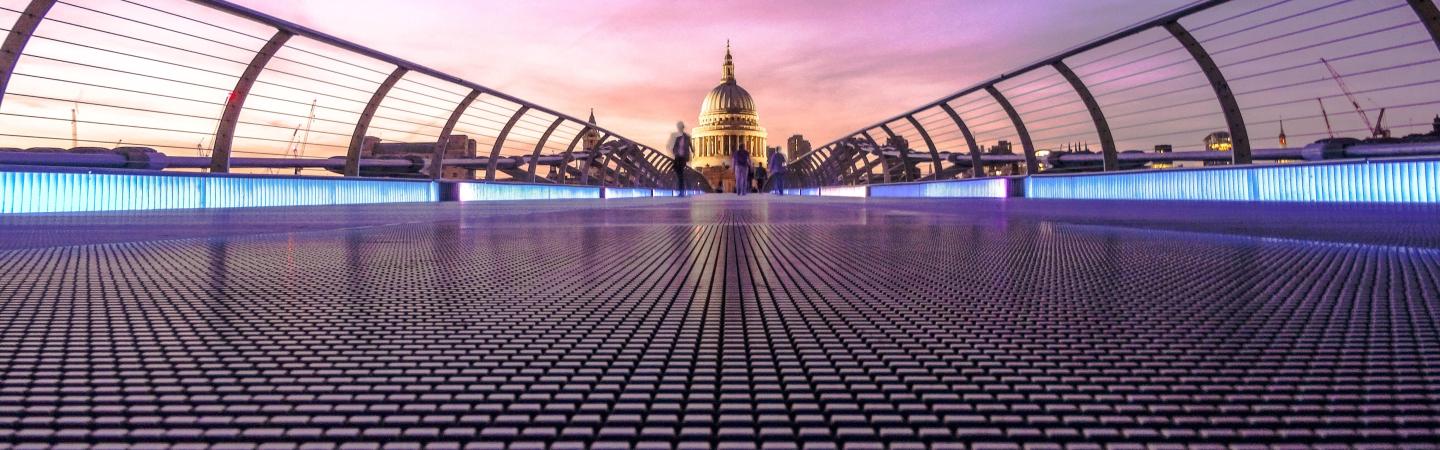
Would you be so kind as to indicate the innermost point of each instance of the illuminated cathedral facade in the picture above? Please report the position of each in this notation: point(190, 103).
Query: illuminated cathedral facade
point(728, 120)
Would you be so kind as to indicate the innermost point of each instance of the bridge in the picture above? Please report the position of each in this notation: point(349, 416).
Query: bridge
point(439, 264)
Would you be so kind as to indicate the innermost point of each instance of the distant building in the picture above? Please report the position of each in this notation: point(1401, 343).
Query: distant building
point(592, 137)
point(997, 170)
point(457, 146)
point(1218, 141)
point(1163, 148)
point(1284, 143)
point(591, 142)
point(796, 146)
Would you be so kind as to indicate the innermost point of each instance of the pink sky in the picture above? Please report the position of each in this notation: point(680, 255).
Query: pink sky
point(819, 68)
point(137, 73)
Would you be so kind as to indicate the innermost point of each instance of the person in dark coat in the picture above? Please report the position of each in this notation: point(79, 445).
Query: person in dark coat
point(760, 175)
point(777, 172)
point(741, 163)
point(680, 149)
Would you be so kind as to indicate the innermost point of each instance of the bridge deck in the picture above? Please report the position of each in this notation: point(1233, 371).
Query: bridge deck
point(742, 322)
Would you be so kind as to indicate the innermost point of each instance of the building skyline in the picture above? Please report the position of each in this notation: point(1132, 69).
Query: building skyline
point(795, 146)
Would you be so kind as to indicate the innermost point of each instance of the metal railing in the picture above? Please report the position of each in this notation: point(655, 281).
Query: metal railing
point(1218, 77)
point(211, 85)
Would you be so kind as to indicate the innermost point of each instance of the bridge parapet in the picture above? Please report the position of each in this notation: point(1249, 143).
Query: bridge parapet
point(209, 80)
point(1212, 83)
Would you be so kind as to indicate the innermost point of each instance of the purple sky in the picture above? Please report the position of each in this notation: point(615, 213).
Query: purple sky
point(819, 68)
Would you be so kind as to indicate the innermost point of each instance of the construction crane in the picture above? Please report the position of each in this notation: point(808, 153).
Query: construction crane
point(305, 140)
point(290, 147)
point(1380, 131)
point(74, 126)
point(1326, 115)
point(1376, 129)
point(309, 121)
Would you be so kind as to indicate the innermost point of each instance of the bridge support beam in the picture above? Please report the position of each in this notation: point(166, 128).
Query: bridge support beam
point(664, 168)
point(570, 153)
point(235, 103)
point(884, 162)
point(842, 164)
point(977, 167)
point(830, 165)
point(1102, 127)
point(500, 141)
point(535, 156)
point(851, 174)
point(1425, 9)
point(1239, 138)
point(590, 159)
point(811, 172)
point(934, 152)
point(19, 35)
point(818, 158)
point(659, 165)
point(362, 126)
point(437, 160)
point(864, 173)
point(903, 150)
point(1032, 165)
point(816, 168)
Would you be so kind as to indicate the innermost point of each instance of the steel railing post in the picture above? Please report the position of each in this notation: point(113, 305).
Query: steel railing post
point(362, 125)
point(1239, 137)
point(234, 104)
point(500, 142)
point(437, 159)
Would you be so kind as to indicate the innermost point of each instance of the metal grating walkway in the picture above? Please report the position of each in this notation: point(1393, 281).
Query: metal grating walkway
point(737, 323)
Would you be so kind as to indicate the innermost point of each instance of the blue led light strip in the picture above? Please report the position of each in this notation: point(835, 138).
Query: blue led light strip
point(472, 192)
point(34, 191)
point(1391, 181)
point(628, 192)
point(968, 188)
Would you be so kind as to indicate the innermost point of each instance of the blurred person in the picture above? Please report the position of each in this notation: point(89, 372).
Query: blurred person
point(777, 172)
point(760, 175)
point(741, 164)
point(680, 150)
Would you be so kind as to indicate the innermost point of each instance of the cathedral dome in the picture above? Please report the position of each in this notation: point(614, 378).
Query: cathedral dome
point(728, 122)
point(728, 98)
point(728, 105)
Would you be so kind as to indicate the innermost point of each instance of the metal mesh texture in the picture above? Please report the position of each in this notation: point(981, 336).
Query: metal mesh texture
point(722, 322)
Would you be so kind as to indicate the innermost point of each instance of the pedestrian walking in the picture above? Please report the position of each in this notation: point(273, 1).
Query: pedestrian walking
point(680, 150)
point(760, 175)
point(741, 165)
point(777, 172)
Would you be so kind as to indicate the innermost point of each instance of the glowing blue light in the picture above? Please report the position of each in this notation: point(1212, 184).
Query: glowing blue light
point(843, 191)
point(1395, 181)
point(35, 191)
point(968, 188)
point(615, 192)
point(470, 192)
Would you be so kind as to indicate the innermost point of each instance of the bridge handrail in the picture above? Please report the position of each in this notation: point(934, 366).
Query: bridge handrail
point(835, 163)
